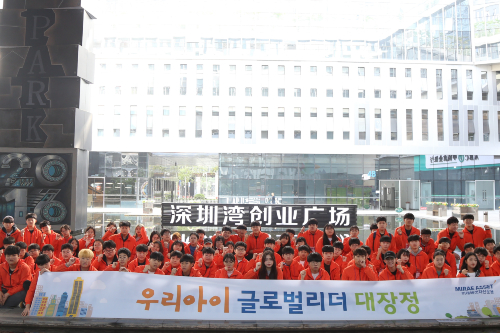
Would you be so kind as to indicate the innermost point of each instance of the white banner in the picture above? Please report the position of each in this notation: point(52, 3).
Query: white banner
point(132, 295)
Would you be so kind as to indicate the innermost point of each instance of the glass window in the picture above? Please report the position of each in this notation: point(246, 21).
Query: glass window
point(346, 135)
point(345, 71)
point(248, 91)
point(345, 113)
point(216, 68)
point(182, 133)
point(454, 84)
point(441, 128)
point(264, 112)
point(296, 134)
point(116, 132)
point(394, 128)
point(232, 91)
point(165, 133)
point(425, 125)
point(265, 69)
point(248, 111)
point(409, 125)
point(407, 72)
point(281, 92)
point(314, 135)
point(296, 112)
point(281, 112)
point(151, 67)
point(215, 111)
point(378, 136)
point(100, 132)
point(313, 70)
point(182, 110)
point(166, 91)
point(296, 92)
point(423, 73)
point(314, 112)
point(265, 92)
point(231, 134)
point(184, 67)
point(151, 90)
point(484, 85)
point(133, 90)
point(329, 70)
point(392, 72)
point(439, 83)
point(248, 68)
point(248, 134)
point(215, 134)
point(314, 92)
point(281, 135)
point(199, 67)
point(486, 126)
point(393, 94)
point(103, 66)
point(296, 70)
point(345, 93)
point(166, 111)
point(102, 90)
point(232, 69)
point(118, 90)
point(376, 71)
point(378, 113)
point(329, 112)
point(361, 93)
point(329, 92)
point(377, 93)
point(264, 134)
point(329, 135)
point(281, 70)
point(471, 129)
point(470, 86)
point(408, 94)
point(361, 71)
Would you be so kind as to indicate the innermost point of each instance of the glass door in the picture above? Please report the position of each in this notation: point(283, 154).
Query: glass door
point(470, 192)
point(485, 194)
point(425, 190)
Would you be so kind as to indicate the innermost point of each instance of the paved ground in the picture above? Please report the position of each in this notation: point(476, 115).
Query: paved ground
point(11, 321)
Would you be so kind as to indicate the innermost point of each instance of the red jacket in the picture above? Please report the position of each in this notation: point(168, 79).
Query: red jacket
point(83, 243)
point(347, 249)
point(353, 273)
point(335, 270)
point(460, 275)
point(429, 248)
point(252, 274)
point(494, 269)
point(477, 236)
point(14, 283)
point(101, 265)
point(129, 242)
point(208, 272)
point(73, 268)
point(33, 237)
point(311, 239)
point(132, 265)
point(235, 238)
point(402, 240)
point(292, 272)
point(256, 245)
point(373, 241)
point(16, 234)
point(242, 266)
point(455, 240)
point(28, 260)
point(140, 269)
point(319, 244)
point(51, 239)
point(420, 261)
point(323, 275)
point(143, 237)
point(58, 243)
point(222, 274)
point(194, 273)
point(431, 273)
point(31, 292)
point(387, 275)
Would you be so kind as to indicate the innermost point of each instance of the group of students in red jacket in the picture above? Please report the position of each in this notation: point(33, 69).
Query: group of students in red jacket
point(314, 255)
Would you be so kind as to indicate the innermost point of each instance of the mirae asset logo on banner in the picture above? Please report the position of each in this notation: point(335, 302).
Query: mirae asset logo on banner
point(269, 215)
point(101, 295)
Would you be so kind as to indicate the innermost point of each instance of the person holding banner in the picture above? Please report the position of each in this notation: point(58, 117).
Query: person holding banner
point(84, 265)
point(187, 267)
point(495, 268)
point(360, 271)
point(394, 269)
point(470, 267)
point(240, 248)
point(153, 267)
point(266, 269)
point(123, 259)
point(373, 240)
point(109, 257)
point(175, 262)
point(141, 252)
point(312, 235)
point(332, 268)
point(206, 265)
point(329, 237)
point(450, 260)
point(228, 272)
point(438, 269)
point(481, 255)
point(314, 271)
point(255, 241)
point(402, 233)
point(43, 265)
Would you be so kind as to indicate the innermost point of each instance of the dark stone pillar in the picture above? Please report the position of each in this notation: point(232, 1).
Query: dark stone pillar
point(46, 68)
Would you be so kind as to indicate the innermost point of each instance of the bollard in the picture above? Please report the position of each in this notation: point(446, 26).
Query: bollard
point(485, 217)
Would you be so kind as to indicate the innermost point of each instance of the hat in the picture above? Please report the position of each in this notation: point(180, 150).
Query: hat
point(208, 241)
point(389, 254)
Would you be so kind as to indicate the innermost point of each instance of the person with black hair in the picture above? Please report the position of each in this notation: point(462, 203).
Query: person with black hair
point(373, 240)
point(338, 258)
point(475, 234)
point(34, 251)
point(140, 235)
point(84, 264)
point(123, 239)
point(6, 242)
point(482, 254)
point(166, 239)
point(225, 234)
point(153, 266)
point(255, 241)
point(304, 251)
point(109, 256)
point(187, 267)
point(427, 243)
point(75, 244)
point(283, 241)
point(418, 258)
point(67, 255)
point(314, 271)
point(377, 258)
point(328, 238)
point(489, 245)
point(193, 243)
point(312, 235)
point(25, 257)
point(468, 248)
point(122, 264)
point(353, 244)
point(141, 251)
point(291, 268)
point(456, 237)
point(218, 245)
point(43, 265)
point(62, 238)
point(450, 259)
point(31, 234)
point(228, 272)
point(177, 245)
point(373, 228)
point(201, 236)
point(9, 229)
point(495, 268)
point(153, 237)
point(49, 251)
point(438, 269)
point(240, 234)
point(88, 239)
point(404, 256)
point(470, 267)
point(329, 265)
point(175, 262)
point(291, 234)
point(353, 234)
point(265, 269)
point(394, 270)
point(13, 274)
point(240, 249)
point(270, 244)
point(361, 270)
point(206, 265)
point(402, 233)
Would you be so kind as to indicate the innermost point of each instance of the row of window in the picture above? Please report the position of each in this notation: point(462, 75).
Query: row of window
point(313, 92)
point(345, 114)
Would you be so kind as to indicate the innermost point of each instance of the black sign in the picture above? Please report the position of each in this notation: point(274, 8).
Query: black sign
point(281, 216)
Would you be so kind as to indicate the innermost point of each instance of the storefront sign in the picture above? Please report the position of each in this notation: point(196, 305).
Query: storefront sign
point(453, 161)
point(144, 296)
point(286, 216)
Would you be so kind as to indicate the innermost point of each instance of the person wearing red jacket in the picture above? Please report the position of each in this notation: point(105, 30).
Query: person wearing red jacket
point(6, 242)
point(25, 257)
point(228, 272)
point(67, 254)
point(394, 269)
point(175, 262)
point(360, 271)
point(141, 252)
point(123, 239)
point(291, 268)
point(34, 251)
point(314, 271)
point(225, 233)
point(31, 234)
point(470, 267)
point(353, 244)
point(481, 254)
point(109, 257)
point(474, 234)
point(43, 266)
point(456, 237)
point(437, 269)
point(141, 237)
point(265, 269)
point(329, 237)
point(84, 264)
point(330, 266)
point(48, 236)
point(402, 233)
point(338, 258)
point(377, 258)
point(489, 245)
point(255, 241)
point(9, 229)
point(123, 260)
point(241, 264)
point(312, 235)
point(87, 240)
point(13, 274)
point(450, 259)
point(153, 266)
point(427, 243)
point(206, 265)
point(353, 233)
point(495, 268)
point(418, 258)
point(186, 267)
point(373, 240)
point(240, 234)
point(49, 251)
point(201, 236)
point(61, 239)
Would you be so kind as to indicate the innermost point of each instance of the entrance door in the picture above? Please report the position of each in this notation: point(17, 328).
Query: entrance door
point(389, 194)
point(409, 193)
point(425, 190)
point(485, 194)
point(470, 192)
